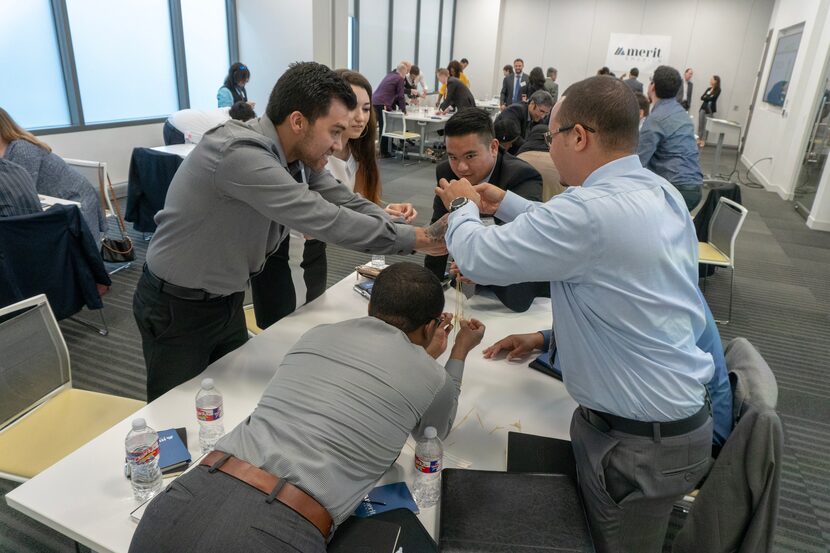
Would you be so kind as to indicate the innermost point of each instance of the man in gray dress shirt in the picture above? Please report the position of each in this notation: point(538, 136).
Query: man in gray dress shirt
point(232, 202)
point(334, 418)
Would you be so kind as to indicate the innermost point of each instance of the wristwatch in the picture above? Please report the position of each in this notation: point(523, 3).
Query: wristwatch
point(458, 203)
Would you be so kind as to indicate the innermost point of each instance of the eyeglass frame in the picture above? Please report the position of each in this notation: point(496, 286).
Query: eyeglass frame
point(549, 135)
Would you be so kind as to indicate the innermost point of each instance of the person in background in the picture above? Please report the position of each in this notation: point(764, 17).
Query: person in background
point(233, 89)
point(604, 71)
point(667, 138)
point(337, 413)
point(632, 82)
point(619, 250)
point(415, 86)
point(464, 63)
point(684, 94)
point(355, 166)
point(507, 70)
point(511, 87)
point(551, 85)
point(241, 111)
point(509, 135)
point(457, 94)
point(645, 107)
point(389, 95)
point(51, 174)
point(535, 111)
point(708, 108)
point(535, 82)
point(17, 191)
point(456, 71)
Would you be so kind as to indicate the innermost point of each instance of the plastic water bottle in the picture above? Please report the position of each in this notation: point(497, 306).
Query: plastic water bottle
point(209, 412)
point(429, 459)
point(142, 445)
point(379, 261)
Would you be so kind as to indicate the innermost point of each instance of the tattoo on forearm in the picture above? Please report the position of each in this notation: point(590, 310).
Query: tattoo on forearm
point(436, 231)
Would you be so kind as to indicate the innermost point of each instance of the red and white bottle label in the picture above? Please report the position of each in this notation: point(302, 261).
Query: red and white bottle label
point(209, 414)
point(144, 455)
point(425, 465)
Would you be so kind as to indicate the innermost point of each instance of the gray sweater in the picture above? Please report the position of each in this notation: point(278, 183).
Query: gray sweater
point(53, 177)
point(340, 408)
point(234, 199)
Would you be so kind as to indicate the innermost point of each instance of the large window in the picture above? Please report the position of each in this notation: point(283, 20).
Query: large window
point(373, 39)
point(447, 22)
point(205, 26)
point(404, 19)
point(73, 64)
point(33, 88)
point(428, 39)
point(124, 58)
point(783, 61)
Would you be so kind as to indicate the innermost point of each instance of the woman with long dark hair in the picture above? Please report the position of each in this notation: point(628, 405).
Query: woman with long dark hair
point(708, 108)
point(233, 89)
point(535, 81)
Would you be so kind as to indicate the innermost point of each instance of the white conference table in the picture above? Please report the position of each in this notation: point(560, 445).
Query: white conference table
point(86, 497)
point(425, 117)
point(181, 150)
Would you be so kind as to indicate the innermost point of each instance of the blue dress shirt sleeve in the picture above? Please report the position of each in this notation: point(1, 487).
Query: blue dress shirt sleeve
point(650, 137)
point(542, 242)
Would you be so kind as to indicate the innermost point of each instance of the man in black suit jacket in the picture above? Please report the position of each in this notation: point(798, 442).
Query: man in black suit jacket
point(632, 82)
point(535, 111)
point(458, 95)
point(684, 93)
point(474, 154)
point(509, 95)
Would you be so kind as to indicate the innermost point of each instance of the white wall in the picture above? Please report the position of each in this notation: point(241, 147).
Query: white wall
point(782, 133)
point(476, 21)
point(330, 37)
point(272, 34)
point(712, 36)
point(114, 146)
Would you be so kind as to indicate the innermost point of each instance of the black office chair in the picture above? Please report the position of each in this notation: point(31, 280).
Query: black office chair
point(52, 253)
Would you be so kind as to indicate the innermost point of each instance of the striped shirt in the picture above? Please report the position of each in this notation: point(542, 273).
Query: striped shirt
point(17, 191)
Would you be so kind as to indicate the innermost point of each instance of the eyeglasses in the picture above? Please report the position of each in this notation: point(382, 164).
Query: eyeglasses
point(549, 135)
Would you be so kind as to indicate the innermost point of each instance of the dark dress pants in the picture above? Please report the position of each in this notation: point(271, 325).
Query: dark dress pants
point(272, 288)
point(181, 337)
point(213, 513)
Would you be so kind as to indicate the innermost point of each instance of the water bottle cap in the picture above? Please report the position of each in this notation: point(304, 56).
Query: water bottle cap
point(430, 432)
point(139, 424)
point(207, 384)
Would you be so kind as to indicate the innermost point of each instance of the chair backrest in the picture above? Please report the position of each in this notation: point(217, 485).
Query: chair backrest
point(96, 173)
point(34, 365)
point(541, 161)
point(393, 122)
point(725, 225)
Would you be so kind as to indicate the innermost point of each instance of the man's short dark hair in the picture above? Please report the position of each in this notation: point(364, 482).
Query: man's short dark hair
point(406, 296)
point(608, 106)
point(541, 98)
point(552, 71)
point(642, 101)
point(414, 70)
point(465, 61)
point(309, 88)
point(518, 59)
point(506, 130)
point(667, 81)
point(634, 72)
point(241, 111)
point(469, 121)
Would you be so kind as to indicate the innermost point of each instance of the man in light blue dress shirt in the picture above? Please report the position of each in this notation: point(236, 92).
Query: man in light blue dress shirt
point(620, 252)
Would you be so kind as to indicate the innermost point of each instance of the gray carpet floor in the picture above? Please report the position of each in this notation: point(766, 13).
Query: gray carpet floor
point(781, 304)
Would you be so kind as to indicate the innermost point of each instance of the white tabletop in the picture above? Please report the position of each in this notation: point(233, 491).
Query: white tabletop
point(48, 201)
point(181, 150)
point(86, 497)
point(425, 115)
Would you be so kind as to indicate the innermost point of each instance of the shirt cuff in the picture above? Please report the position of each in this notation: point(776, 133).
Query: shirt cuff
point(404, 239)
point(512, 205)
point(455, 368)
point(546, 334)
point(467, 211)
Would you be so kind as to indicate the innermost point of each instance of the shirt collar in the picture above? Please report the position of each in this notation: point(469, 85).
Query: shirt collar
point(614, 168)
point(269, 130)
point(664, 103)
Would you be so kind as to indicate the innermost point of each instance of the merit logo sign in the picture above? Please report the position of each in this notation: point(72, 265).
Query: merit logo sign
point(644, 52)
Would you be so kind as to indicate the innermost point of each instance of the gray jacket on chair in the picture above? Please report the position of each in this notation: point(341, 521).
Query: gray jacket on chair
point(737, 508)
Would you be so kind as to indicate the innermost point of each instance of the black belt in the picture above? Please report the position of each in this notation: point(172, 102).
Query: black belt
point(193, 294)
point(606, 421)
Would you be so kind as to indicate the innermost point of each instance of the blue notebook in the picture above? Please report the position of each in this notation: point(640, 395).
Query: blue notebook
point(173, 453)
point(386, 498)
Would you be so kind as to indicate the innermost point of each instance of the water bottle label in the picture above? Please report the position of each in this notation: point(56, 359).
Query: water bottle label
point(426, 465)
point(208, 414)
point(144, 455)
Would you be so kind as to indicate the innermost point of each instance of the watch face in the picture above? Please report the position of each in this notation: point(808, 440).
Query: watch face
point(458, 202)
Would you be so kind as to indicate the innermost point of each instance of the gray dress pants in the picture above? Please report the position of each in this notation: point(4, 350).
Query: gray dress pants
point(630, 483)
point(212, 513)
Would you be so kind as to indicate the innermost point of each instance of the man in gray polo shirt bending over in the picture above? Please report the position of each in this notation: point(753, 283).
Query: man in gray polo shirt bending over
point(232, 202)
point(331, 422)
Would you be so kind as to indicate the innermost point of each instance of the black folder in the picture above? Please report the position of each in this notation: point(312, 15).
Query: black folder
point(365, 535)
point(497, 512)
point(530, 453)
